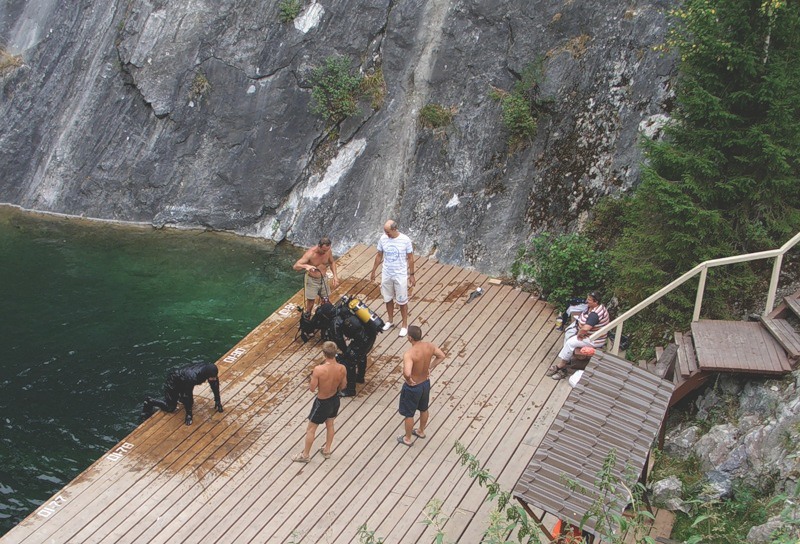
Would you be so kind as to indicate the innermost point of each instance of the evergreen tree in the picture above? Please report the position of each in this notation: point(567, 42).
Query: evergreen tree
point(726, 178)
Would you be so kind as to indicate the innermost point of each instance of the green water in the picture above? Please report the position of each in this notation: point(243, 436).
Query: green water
point(92, 317)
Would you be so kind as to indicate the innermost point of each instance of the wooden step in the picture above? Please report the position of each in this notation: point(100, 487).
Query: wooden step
point(665, 366)
point(658, 528)
point(784, 333)
point(793, 304)
point(687, 360)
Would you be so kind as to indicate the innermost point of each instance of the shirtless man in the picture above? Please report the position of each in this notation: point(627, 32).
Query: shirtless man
point(327, 380)
point(315, 262)
point(415, 394)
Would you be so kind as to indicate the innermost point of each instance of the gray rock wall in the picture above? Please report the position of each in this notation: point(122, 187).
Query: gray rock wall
point(196, 113)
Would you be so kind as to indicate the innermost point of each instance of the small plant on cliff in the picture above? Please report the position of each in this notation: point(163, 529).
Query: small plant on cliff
point(562, 266)
point(288, 10)
point(8, 62)
point(334, 92)
point(435, 116)
point(521, 106)
point(373, 86)
point(200, 87)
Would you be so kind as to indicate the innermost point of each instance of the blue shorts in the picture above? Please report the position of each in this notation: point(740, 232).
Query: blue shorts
point(323, 410)
point(414, 398)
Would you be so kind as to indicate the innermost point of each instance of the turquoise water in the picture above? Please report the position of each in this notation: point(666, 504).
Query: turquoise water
point(93, 316)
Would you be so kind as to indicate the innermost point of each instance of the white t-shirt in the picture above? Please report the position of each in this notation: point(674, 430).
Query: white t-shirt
point(395, 251)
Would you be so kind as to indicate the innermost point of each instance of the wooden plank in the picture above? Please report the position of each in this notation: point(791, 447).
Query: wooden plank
point(691, 356)
point(683, 361)
point(662, 525)
point(737, 346)
point(784, 333)
point(665, 367)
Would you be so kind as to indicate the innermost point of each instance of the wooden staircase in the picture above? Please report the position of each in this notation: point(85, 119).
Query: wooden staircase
point(770, 346)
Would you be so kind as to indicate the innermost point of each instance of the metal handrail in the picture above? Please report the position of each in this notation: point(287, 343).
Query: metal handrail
point(702, 269)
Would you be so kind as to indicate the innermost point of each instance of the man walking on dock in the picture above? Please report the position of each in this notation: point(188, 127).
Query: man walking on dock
point(416, 391)
point(327, 380)
point(397, 253)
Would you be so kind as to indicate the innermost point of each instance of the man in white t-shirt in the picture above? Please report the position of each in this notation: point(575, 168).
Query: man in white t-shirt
point(397, 253)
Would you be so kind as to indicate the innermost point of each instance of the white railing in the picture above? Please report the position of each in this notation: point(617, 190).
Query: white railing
point(702, 269)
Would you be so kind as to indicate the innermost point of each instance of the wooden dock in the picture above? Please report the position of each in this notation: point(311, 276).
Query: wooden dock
point(229, 477)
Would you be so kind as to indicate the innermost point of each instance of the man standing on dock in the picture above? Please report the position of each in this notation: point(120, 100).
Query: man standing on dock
point(327, 380)
point(316, 262)
point(397, 253)
point(416, 391)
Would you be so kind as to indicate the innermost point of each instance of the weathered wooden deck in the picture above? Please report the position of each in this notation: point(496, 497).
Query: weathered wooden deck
point(228, 477)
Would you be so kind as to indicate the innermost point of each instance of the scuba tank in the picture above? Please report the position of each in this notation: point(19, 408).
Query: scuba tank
point(367, 316)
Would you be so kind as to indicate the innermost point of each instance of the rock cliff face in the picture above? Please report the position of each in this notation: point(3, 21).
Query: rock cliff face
point(196, 113)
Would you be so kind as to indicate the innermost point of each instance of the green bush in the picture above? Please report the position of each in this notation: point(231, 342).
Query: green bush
point(562, 266)
point(435, 116)
point(289, 10)
point(335, 90)
point(520, 107)
point(517, 116)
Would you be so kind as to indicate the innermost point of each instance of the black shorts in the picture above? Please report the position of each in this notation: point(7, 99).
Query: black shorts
point(324, 409)
point(414, 398)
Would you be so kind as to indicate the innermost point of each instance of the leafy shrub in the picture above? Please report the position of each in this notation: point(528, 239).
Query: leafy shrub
point(517, 116)
point(289, 10)
point(435, 116)
point(335, 90)
point(562, 266)
point(521, 106)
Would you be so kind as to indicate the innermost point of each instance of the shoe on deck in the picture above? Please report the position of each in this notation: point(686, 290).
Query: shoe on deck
point(387, 326)
point(403, 332)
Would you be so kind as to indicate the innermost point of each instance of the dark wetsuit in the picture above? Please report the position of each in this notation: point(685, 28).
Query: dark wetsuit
point(354, 356)
point(179, 387)
point(324, 409)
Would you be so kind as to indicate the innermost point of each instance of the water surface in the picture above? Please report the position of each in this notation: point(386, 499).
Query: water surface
point(91, 318)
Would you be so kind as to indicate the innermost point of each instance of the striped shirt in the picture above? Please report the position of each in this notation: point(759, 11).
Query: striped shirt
point(395, 251)
point(596, 318)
